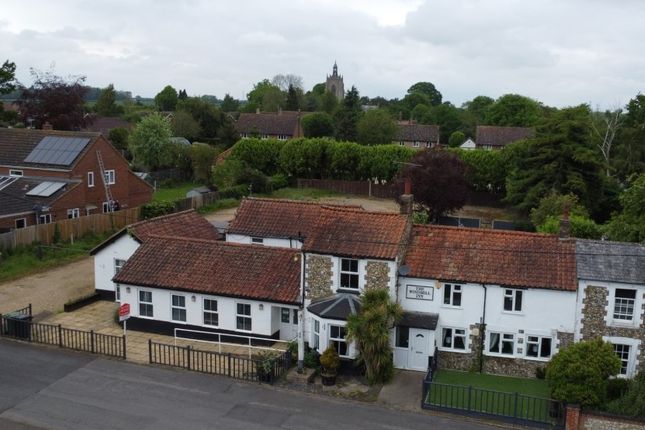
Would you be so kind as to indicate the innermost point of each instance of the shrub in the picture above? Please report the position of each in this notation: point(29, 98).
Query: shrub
point(581, 227)
point(228, 173)
point(278, 181)
point(262, 155)
point(617, 388)
point(234, 192)
point(202, 157)
point(155, 209)
point(632, 402)
point(329, 360)
point(312, 359)
point(540, 372)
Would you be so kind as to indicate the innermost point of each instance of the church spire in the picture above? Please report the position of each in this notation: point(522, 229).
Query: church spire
point(335, 72)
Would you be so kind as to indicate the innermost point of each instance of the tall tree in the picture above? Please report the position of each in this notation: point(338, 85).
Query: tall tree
point(514, 110)
point(318, 124)
point(183, 95)
point(166, 99)
point(293, 100)
point(209, 117)
point(478, 107)
point(285, 81)
point(150, 141)
point(184, 125)
point(629, 153)
point(229, 104)
point(106, 103)
point(439, 181)
point(347, 116)
point(265, 96)
point(7, 77)
point(605, 126)
point(376, 127)
point(629, 225)
point(55, 100)
point(427, 89)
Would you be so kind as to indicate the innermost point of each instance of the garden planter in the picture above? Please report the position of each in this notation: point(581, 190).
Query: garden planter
point(328, 379)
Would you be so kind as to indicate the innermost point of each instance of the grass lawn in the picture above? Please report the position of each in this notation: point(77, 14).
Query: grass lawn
point(528, 386)
point(177, 192)
point(300, 194)
point(25, 260)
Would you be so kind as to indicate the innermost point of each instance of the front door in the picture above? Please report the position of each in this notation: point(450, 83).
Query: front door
point(419, 346)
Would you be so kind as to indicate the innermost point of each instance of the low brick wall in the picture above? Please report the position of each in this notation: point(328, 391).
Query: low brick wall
point(592, 420)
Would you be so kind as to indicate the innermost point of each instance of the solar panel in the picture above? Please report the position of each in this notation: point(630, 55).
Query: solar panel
point(5, 181)
point(45, 189)
point(57, 150)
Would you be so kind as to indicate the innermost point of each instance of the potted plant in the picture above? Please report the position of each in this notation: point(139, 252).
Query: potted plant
point(330, 362)
point(265, 361)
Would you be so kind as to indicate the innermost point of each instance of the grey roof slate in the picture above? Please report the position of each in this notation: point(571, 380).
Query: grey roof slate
point(610, 261)
point(14, 198)
point(411, 132)
point(419, 320)
point(337, 307)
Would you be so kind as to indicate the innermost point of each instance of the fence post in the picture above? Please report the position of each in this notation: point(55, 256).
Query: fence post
point(124, 347)
point(1, 325)
point(229, 364)
point(515, 407)
point(150, 351)
point(30, 309)
point(188, 356)
point(92, 341)
point(470, 392)
point(60, 335)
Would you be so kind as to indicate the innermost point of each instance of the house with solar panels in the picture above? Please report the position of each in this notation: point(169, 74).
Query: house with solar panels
point(48, 175)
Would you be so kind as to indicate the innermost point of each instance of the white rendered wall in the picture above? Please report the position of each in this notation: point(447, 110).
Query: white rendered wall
point(121, 249)
point(264, 321)
point(267, 241)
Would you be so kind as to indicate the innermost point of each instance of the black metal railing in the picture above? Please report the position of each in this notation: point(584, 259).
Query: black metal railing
point(219, 363)
point(513, 407)
point(18, 325)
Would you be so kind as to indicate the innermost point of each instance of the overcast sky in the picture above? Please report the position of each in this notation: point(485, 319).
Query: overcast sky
point(561, 52)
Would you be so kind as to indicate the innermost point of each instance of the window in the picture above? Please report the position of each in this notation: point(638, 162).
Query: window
point(538, 347)
point(244, 317)
point(337, 339)
point(211, 317)
point(117, 293)
point(15, 173)
point(110, 177)
point(624, 304)
point(513, 300)
point(295, 316)
point(452, 295)
point(118, 265)
point(501, 343)
point(21, 223)
point(90, 179)
point(401, 143)
point(145, 304)
point(257, 240)
point(316, 331)
point(73, 213)
point(349, 274)
point(622, 351)
point(106, 207)
point(415, 144)
point(402, 336)
point(454, 338)
point(285, 315)
point(44, 219)
point(178, 308)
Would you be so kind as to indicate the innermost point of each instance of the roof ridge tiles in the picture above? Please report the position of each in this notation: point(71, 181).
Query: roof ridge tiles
point(167, 216)
point(223, 243)
point(486, 231)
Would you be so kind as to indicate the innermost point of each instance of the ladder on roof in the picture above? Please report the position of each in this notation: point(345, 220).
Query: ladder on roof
point(106, 185)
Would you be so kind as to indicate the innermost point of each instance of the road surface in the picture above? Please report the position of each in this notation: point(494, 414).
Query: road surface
point(47, 388)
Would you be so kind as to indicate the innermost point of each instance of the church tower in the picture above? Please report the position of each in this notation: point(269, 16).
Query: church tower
point(335, 84)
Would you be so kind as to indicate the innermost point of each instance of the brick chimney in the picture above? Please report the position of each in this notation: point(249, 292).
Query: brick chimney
point(47, 126)
point(565, 224)
point(406, 201)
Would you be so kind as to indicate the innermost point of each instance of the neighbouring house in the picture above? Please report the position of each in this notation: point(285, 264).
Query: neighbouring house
point(500, 302)
point(414, 135)
point(281, 125)
point(469, 144)
point(48, 175)
point(495, 137)
point(105, 124)
point(611, 299)
point(111, 255)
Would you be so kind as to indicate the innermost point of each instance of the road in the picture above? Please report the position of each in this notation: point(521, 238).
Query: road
point(46, 388)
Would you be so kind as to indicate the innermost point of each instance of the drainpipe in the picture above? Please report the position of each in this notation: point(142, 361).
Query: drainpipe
point(481, 332)
point(301, 319)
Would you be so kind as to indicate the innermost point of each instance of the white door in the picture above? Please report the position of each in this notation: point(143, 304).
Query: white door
point(418, 357)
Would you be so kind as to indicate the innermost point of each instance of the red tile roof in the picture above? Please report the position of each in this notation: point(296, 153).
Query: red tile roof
point(281, 123)
point(412, 132)
point(492, 257)
point(360, 234)
point(215, 267)
point(277, 218)
point(500, 136)
point(188, 224)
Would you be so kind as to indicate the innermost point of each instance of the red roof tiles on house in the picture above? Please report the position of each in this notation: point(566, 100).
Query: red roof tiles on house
point(492, 257)
point(285, 123)
point(360, 234)
point(277, 218)
point(215, 267)
point(186, 224)
point(413, 132)
point(491, 135)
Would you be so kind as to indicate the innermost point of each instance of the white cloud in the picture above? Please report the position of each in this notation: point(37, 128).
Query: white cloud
point(561, 53)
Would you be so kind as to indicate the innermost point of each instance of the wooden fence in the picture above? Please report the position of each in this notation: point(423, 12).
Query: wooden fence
point(361, 188)
point(69, 228)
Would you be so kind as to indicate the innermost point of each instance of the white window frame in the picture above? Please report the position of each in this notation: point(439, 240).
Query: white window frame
point(210, 312)
point(117, 293)
point(73, 213)
point(416, 144)
point(315, 329)
point(90, 179)
point(257, 241)
point(504, 337)
point(16, 173)
point(338, 340)
point(538, 341)
point(243, 317)
point(511, 296)
point(24, 222)
point(635, 345)
point(625, 363)
point(110, 177)
point(452, 291)
point(285, 312)
point(118, 265)
point(44, 219)
point(178, 307)
point(463, 333)
point(148, 304)
point(351, 274)
point(617, 316)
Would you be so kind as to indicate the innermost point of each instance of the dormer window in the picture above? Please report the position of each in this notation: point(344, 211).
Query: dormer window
point(348, 274)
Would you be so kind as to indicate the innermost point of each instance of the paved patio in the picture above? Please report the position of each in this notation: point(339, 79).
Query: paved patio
point(404, 391)
point(101, 317)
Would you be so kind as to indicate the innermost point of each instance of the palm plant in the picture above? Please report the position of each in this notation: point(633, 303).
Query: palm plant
point(370, 330)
